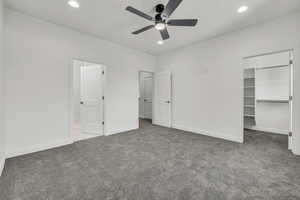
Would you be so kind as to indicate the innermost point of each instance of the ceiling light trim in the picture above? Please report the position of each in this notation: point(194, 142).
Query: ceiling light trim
point(74, 4)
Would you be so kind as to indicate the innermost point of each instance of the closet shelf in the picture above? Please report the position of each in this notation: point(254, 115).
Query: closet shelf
point(273, 100)
point(246, 115)
point(249, 106)
point(249, 96)
point(249, 87)
point(247, 78)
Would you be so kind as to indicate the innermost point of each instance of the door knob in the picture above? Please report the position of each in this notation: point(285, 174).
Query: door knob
point(168, 101)
point(81, 102)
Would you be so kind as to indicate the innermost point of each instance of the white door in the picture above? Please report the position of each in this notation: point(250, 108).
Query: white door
point(91, 95)
point(163, 102)
point(291, 101)
point(148, 87)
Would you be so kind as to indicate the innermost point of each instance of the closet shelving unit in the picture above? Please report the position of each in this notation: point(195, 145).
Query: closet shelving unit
point(249, 95)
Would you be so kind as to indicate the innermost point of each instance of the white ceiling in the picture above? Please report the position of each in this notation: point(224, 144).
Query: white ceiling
point(109, 20)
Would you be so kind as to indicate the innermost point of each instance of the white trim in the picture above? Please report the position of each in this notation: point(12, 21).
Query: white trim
point(85, 137)
point(2, 163)
point(269, 130)
point(269, 53)
point(118, 131)
point(210, 133)
point(295, 152)
point(47, 146)
point(164, 125)
point(39, 147)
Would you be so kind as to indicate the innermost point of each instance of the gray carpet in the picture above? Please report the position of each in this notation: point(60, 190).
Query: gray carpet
point(156, 163)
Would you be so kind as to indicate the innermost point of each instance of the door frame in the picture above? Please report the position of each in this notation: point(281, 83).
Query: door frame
point(291, 146)
point(139, 84)
point(71, 96)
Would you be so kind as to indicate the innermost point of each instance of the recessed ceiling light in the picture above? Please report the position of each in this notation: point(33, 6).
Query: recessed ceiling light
point(160, 26)
point(242, 9)
point(73, 4)
point(160, 42)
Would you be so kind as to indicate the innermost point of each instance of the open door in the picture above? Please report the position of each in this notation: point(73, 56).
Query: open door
point(148, 87)
point(92, 101)
point(291, 102)
point(163, 101)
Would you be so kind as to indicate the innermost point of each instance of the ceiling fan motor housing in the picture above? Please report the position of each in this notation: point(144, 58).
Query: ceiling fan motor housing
point(158, 18)
point(160, 8)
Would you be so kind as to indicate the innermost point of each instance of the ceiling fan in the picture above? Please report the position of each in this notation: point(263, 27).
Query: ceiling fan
point(161, 19)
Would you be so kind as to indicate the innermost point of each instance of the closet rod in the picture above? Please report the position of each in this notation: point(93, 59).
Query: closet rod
point(272, 67)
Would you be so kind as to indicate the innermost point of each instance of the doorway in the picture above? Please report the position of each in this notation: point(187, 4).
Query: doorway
point(268, 94)
point(88, 98)
point(146, 83)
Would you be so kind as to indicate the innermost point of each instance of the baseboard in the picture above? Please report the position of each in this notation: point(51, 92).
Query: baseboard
point(37, 148)
point(269, 130)
point(46, 146)
point(163, 125)
point(209, 133)
point(118, 131)
point(81, 138)
point(2, 163)
point(296, 152)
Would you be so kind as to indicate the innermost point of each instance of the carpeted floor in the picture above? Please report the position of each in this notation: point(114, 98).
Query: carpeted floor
point(156, 163)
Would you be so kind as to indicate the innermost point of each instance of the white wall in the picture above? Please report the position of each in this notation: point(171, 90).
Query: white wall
point(208, 77)
point(2, 156)
point(38, 81)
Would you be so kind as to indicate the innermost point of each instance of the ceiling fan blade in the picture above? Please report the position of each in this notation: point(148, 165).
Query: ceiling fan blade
point(139, 13)
point(171, 7)
point(182, 22)
point(143, 29)
point(164, 34)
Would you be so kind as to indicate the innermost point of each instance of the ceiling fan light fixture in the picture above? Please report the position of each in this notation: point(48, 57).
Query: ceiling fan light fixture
point(242, 9)
point(160, 42)
point(160, 26)
point(73, 4)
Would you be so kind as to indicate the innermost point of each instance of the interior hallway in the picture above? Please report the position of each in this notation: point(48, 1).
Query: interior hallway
point(157, 163)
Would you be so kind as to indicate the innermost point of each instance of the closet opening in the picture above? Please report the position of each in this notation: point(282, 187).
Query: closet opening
point(268, 95)
point(87, 100)
point(146, 87)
